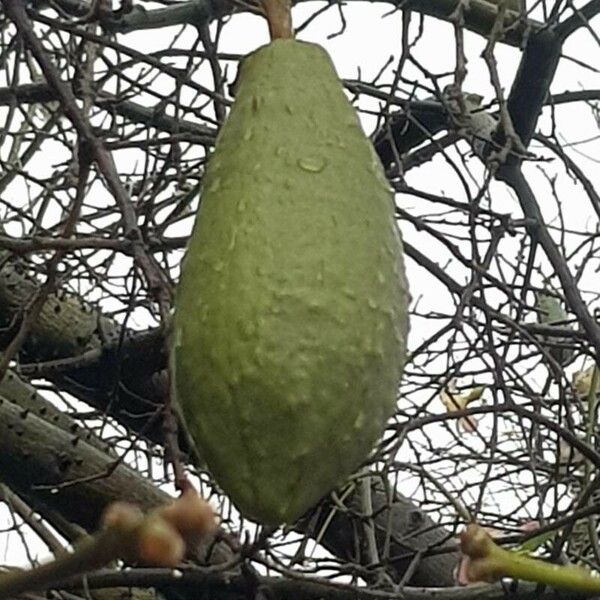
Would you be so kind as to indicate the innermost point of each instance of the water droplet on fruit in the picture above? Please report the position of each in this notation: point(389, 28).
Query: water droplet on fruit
point(231, 245)
point(360, 419)
point(372, 304)
point(312, 164)
point(321, 271)
point(247, 135)
point(218, 266)
point(215, 185)
point(241, 207)
point(380, 277)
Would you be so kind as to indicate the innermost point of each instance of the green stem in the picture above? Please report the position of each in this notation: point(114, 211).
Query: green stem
point(489, 562)
point(518, 566)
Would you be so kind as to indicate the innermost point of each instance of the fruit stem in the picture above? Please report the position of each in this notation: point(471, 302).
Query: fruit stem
point(489, 562)
point(279, 16)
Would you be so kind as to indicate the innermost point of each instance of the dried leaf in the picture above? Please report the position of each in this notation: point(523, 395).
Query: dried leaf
point(455, 400)
point(532, 544)
point(581, 382)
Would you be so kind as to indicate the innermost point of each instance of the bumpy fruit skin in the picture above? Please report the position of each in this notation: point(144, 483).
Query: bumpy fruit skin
point(291, 311)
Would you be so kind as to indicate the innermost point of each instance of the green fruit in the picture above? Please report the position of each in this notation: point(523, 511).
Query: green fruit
point(291, 311)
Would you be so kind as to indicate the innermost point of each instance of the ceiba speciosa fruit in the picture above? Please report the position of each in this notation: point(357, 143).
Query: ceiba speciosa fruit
point(291, 312)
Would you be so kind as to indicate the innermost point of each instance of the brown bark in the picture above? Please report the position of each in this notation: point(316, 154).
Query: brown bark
point(85, 353)
point(62, 471)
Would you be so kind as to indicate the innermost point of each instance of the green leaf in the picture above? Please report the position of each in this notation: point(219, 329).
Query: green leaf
point(534, 543)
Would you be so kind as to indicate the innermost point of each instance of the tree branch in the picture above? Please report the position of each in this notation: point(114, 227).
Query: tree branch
point(514, 177)
point(479, 15)
point(39, 93)
point(578, 20)
point(86, 353)
point(530, 87)
point(59, 470)
point(97, 152)
point(402, 531)
point(220, 587)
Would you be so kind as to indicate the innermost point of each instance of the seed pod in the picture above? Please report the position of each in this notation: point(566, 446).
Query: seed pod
point(291, 310)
